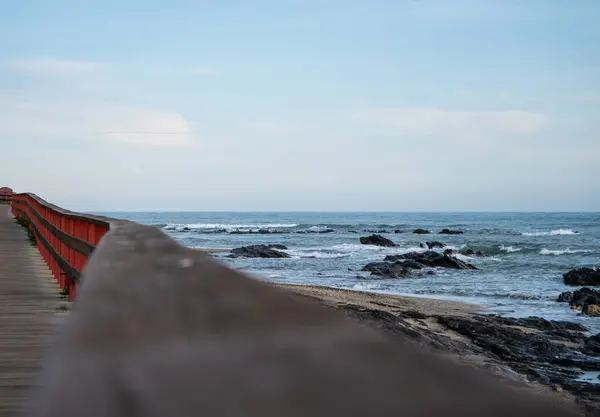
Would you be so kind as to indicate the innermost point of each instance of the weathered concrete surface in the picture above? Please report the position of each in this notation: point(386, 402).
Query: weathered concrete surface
point(161, 330)
point(29, 301)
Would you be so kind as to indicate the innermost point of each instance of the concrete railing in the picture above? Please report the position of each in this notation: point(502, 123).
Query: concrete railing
point(163, 330)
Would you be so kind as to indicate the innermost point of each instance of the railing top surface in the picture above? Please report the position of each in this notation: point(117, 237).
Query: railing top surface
point(102, 220)
point(163, 330)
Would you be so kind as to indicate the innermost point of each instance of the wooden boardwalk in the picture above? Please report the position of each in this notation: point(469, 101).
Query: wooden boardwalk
point(29, 312)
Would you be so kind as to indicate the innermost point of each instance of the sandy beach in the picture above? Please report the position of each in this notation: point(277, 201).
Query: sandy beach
point(385, 302)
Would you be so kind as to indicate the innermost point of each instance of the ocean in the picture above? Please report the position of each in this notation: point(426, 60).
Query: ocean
point(521, 276)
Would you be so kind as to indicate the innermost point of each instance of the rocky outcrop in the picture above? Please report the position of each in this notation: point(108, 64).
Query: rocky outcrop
point(582, 276)
point(259, 251)
point(404, 266)
point(471, 252)
point(586, 300)
point(422, 232)
point(388, 269)
point(431, 259)
point(451, 232)
point(435, 244)
point(523, 350)
point(377, 240)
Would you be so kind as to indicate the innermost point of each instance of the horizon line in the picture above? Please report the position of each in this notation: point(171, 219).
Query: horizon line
point(348, 211)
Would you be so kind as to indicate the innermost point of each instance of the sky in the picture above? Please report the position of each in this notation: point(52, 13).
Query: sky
point(350, 105)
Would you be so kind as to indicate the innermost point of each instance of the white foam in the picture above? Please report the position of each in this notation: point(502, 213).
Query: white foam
point(227, 226)
point(462, 257)
point(509, 249)
point(319, 229)
point(552, 233)
point(316, 254)
point(557, 252)
point(365, 286)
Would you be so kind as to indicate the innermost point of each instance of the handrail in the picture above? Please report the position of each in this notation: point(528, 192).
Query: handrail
point(64, 238)
point(164, 330)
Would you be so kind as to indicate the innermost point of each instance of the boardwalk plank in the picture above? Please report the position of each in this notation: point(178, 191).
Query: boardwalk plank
point(28, 311)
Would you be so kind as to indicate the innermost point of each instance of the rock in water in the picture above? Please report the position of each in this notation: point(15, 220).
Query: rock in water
point(435, 244)
point(278, 246)
point(471, 252)
point(431, 259)
point(422, 232)
point(592, 310)
point(259, 251)
point(388, 269)
point(377, 240)
point(565, 297)
point(582, 276)
point(585, 299)
point(451, 232)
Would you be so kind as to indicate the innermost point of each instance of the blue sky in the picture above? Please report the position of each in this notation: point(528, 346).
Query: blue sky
point(302, 105)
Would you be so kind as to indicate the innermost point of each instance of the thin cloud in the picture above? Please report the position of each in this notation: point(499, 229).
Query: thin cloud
point(57, 66)
point(433, 120)
point(203, 71)
point(88, 121)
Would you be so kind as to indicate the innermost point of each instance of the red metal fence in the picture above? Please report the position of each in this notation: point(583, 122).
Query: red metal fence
point(65, 239)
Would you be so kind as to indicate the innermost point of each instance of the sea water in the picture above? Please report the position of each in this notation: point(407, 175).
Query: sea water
point(522, 275)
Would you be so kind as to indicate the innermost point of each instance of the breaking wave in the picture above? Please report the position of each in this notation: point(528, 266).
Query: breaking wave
point(552, 233)
point(557, 252)
point(510, 249)
point(225, 227)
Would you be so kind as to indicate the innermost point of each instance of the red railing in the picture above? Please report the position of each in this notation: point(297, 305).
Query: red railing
point(6, 194)
point(65, 239)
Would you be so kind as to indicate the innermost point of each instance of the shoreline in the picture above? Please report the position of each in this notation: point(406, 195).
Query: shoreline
point(384, 301)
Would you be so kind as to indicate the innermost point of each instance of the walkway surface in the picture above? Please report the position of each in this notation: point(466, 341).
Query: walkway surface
point(29, 313)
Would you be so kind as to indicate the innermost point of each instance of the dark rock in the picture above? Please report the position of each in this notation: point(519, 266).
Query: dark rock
point(472, 253)
point(421, 232)
point(414, 314)
point(406, 262)
point(585, 299)
point(502, 346)
point(352, 231)
point(582, 276)
point(257, 251)
point(397, 231)
point(565, 297)
point(277, 246)
point(592, 345)
point(435, 244)
point(505, 342)
point(592, 310)
point(388, 269)
point(377, 240)
point(432, 259)
point(449, 252)
point(451, 232)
